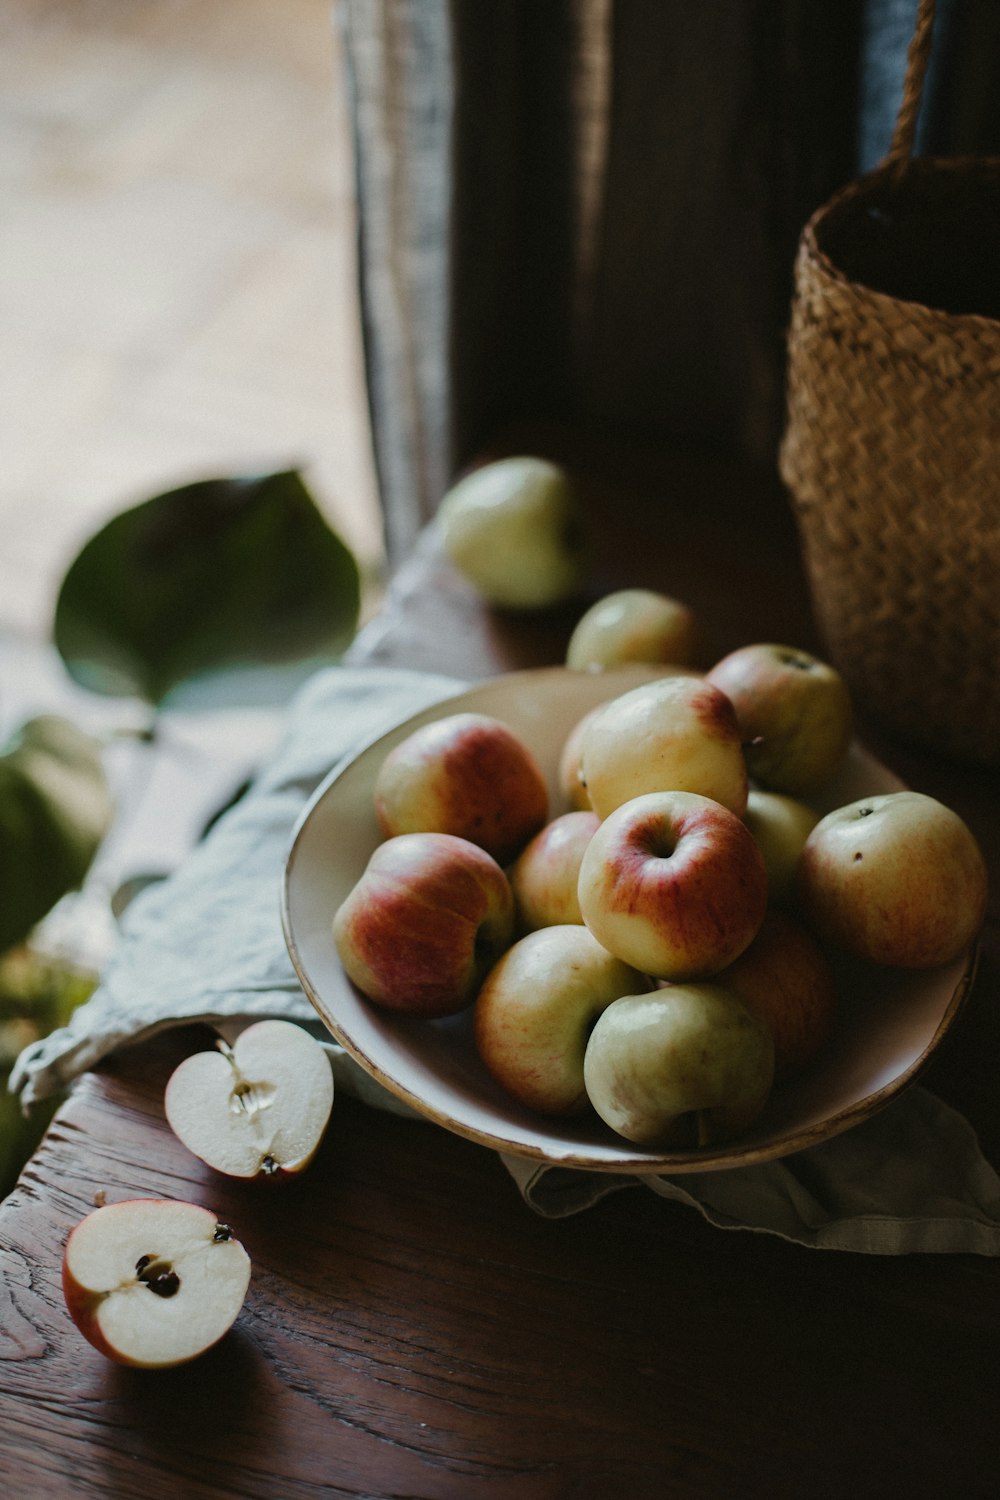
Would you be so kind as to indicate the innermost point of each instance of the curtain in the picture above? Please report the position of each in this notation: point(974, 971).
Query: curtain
point(586, 211)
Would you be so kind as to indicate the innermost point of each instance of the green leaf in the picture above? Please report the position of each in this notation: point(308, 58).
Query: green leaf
point(55, 808)
point(220, 573)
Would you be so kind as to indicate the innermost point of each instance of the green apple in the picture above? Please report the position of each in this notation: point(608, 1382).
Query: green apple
point(897, 878)
point(569, 768)
point(780, 826)
point(683, 1065)
point(794, 713)
point(676, 733)
point(513, 529)
point(633, 625)
point(535, 1010)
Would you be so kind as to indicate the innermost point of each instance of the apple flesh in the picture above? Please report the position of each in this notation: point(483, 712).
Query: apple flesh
point(794, 712)
point(633, 625)
point(466, 774)
point(152, 1282)
point(786, 978)
point(685, 1065)
point(780, 826)
point(676, 733)
point(513, 529)
point(897, 879)
point(535, 1011)
point(425, 922)
point(673, 884)
point(546, 874)
point(257, 1108)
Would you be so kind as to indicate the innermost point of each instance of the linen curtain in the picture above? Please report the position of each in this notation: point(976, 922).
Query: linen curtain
point(586, 211)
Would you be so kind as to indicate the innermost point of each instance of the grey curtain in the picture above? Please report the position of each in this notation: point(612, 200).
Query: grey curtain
point(586, 211)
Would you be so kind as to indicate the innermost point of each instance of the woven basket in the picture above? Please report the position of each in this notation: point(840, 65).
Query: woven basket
point(891, 452)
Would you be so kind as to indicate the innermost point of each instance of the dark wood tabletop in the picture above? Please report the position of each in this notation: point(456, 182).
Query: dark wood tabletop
point(412, 1327)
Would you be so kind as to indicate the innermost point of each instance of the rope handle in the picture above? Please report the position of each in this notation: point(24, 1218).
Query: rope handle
point(917, 58)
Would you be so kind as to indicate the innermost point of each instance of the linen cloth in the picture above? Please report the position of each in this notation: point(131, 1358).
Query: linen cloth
point(206, 944)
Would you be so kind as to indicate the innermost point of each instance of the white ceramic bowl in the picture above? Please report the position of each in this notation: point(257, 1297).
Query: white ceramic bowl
point(890, 1021)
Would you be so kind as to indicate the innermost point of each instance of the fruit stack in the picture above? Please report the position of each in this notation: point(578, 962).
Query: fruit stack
point(657, 947)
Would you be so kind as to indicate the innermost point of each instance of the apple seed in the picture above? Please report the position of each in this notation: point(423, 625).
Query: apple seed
point(158, 1275)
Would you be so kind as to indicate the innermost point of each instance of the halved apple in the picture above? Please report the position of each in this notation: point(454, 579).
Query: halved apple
point(257, 1108)
point(152, 1282)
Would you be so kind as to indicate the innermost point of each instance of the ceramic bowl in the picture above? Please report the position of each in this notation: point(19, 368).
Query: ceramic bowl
point(889, 1024)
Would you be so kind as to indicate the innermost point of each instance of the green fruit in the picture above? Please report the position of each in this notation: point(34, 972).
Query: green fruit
point(513, 529)
point(55, 809)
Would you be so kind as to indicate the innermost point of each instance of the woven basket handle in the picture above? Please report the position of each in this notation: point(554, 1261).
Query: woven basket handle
point(917, 57)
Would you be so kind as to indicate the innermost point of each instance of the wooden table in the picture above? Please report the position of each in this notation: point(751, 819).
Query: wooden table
point(412, 1329)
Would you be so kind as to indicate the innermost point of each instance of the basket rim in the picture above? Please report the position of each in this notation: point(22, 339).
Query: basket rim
point(864, 188)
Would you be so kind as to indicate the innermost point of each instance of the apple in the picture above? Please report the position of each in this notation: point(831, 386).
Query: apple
point(545, 875)
point(786, 978)
point(153, 1282)
point(258, 1107)
point(794, 713)
point(897, 878)
point(568, 773)
point(535, 1010)
point(780, 826)
point(633, 625)
point(684, 1065)
point(673, 884)
point(676, 733)
point(467, 774)
point(513, 529)
point(424, 923)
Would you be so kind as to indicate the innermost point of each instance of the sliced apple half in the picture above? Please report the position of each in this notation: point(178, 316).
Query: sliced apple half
point(151, 1282)
point(257, 1108)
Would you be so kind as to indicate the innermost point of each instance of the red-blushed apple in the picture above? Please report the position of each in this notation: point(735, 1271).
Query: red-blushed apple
point(568, 772)
point(780, 826)
point(676, 733)
point(514, 529)
point(633, 625)
point(257, 1108)
point(786, 978)
point(153, 1282)
point(794, 712)
point(424, 923)
point(545, 875)
point(685, 1065)
point(535, 1010)
point(673, 884)
point(897, 878)
point(467, 774)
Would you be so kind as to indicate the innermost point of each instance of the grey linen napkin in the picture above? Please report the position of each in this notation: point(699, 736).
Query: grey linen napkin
point(206, 944)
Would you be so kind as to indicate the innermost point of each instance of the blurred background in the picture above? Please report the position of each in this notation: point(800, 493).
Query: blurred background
point(177, 270)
